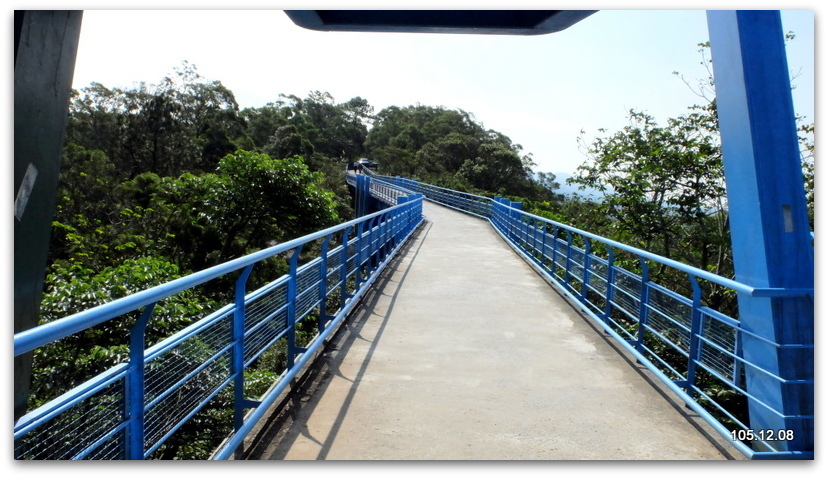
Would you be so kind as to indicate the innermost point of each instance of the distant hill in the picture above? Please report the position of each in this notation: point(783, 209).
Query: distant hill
point(569, 190)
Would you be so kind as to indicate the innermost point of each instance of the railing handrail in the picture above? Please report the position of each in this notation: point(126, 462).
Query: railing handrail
point(146, 399)
point(699, 333)
point(451, 191)
point(694, 271)
point(579, 274)
point(571, 263)
point(44, 334)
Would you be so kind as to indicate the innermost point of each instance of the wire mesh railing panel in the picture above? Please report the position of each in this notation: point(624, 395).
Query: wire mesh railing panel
point(719, 351)
point(174, 364)
point(599, 275)
point(181, 378)
point(80, 430)
point(670, 316)
point(265, 303)
point(627, 297)
point(576, 262)
point(352, 257)
point(187, 397)
point(308, 275)
point(561, 246)
point(307, 300)
point(112, 448)
point(334, 276)
point(257, 340)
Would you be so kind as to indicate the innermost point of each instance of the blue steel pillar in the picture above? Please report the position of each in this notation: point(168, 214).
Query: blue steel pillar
point(363, 194)
point(772, 248)
point(45, 47)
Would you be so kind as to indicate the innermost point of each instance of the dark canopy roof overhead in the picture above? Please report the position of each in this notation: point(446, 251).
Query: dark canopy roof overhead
point(495, 22)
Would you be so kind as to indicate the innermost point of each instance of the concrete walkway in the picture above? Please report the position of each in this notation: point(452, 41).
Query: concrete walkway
point(463, 352)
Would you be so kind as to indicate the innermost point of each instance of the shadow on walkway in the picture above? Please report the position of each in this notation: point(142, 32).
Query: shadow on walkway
point(287, 421)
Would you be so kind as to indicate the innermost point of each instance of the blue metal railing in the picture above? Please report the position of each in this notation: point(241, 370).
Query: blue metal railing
point(132, 409)
point(651, 321)
point(479, 206)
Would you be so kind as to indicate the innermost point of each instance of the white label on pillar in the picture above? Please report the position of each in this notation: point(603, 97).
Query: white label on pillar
point(787, 217)
point(25, 191)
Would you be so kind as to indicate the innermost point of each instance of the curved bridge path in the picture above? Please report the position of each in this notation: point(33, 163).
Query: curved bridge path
point(463, 352)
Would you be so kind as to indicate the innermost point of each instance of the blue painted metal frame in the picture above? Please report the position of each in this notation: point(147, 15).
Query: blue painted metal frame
point(710, 341)
point(475, 205)
point(701, 329)
point(772, 244)
point(123, 412)
point(772, 341)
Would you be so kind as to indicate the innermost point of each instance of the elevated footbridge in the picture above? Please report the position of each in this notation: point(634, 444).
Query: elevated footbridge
point(462, 328)
point(749, 377)
point(463, 352)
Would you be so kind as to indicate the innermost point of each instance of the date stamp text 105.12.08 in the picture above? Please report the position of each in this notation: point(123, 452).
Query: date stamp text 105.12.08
point(762, 435)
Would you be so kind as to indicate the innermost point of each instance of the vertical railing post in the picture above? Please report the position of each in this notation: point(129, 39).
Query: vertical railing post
point(506, 216)
point(568, 268)
point(386, 230)
point(509, 218)
point(292, 349)
point(358, 258)
point(398, 219)
point(643, 302)
point(694, 347)
point(402, 219)
point(135, 386)
point(383, 244)
point(237, 362)
point(555, 251)
point(343, 271)
point(369, 259)
point(410, 213)
point(378, 247)
point(587, 264)
point(516, 217)
point(610, 283)
point(323, 284)
point(501, 219)
point(496, 213)
point(543, 244)
point(369, 255)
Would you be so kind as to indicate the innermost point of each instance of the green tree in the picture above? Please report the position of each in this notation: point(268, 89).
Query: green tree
point(250, 202)
point(664, 187)
point(287, 142)
point(317, 128)
point(449, 148)
point(180, 124)
point(496, 168)
point(73, 360)
point(336, 131)
point(262, 123)
point(705, 89)
point(806, 141)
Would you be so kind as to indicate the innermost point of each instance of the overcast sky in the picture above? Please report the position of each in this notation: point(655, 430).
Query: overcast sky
point(541, 91)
